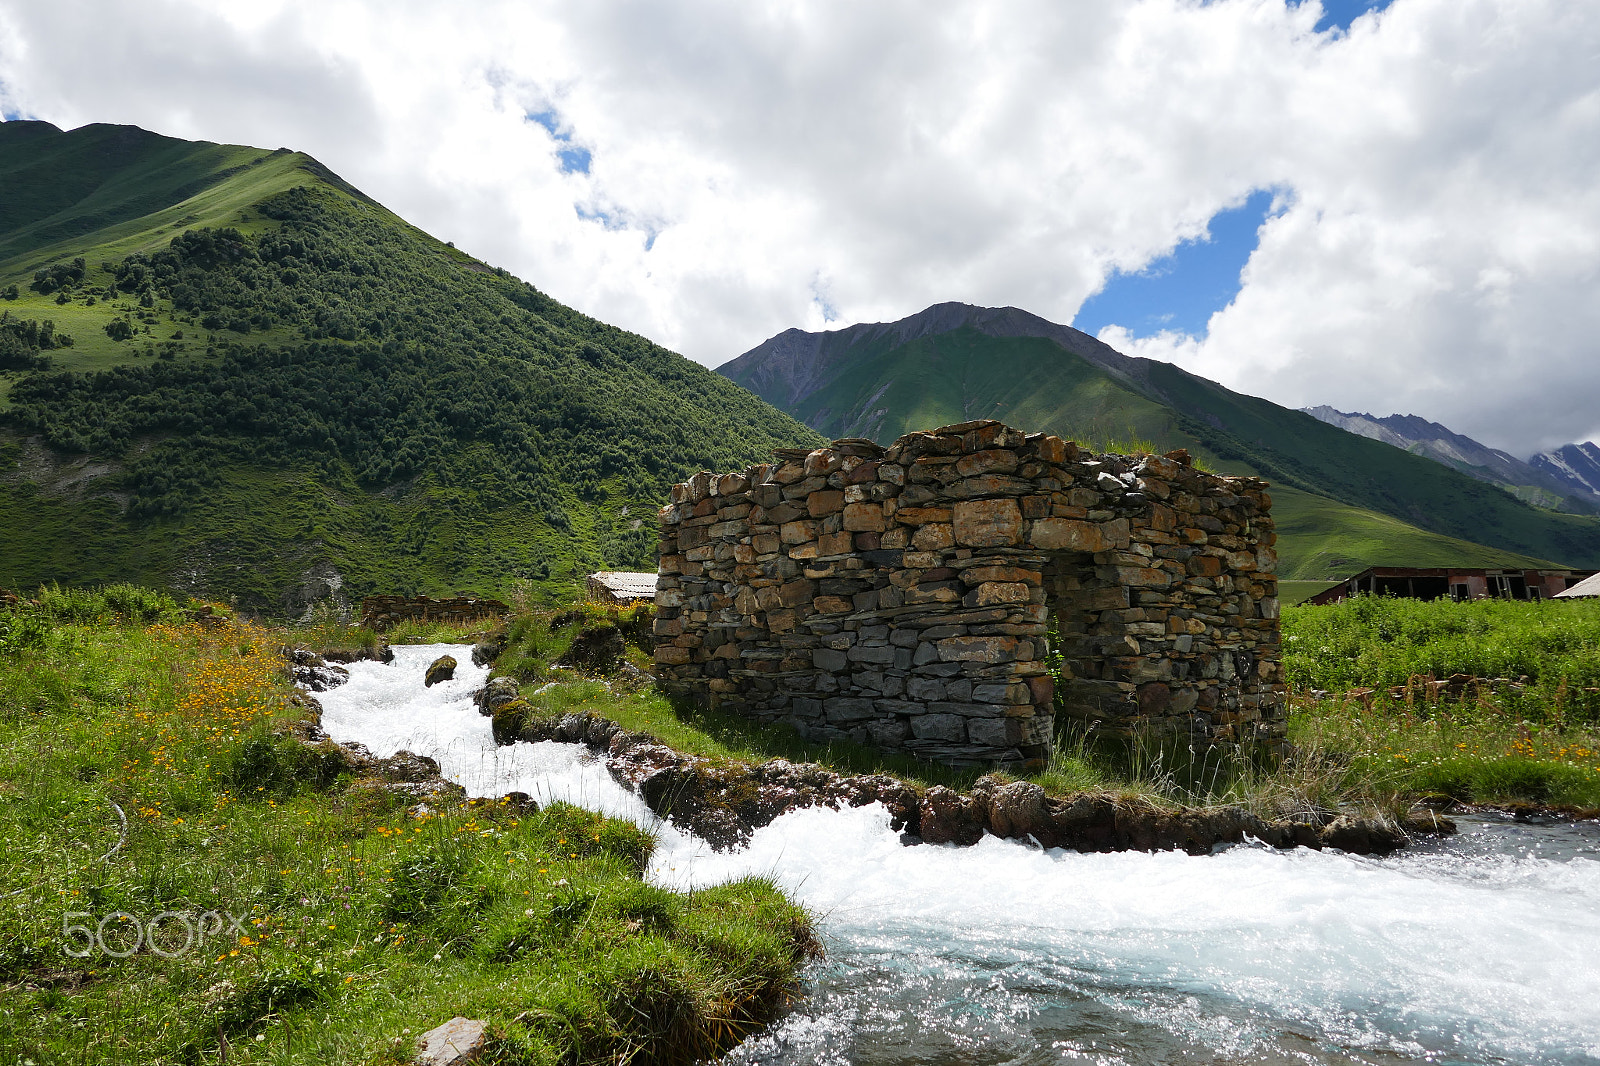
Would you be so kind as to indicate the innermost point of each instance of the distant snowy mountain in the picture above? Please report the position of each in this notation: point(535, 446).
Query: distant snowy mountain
point(1566, 479)
point(1574, 464)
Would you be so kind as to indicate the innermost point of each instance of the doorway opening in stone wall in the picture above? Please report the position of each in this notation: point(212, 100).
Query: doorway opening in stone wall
point(1114, 700)
point(1087, 699)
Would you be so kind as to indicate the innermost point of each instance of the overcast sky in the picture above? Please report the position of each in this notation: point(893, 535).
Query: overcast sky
point(1419, 183)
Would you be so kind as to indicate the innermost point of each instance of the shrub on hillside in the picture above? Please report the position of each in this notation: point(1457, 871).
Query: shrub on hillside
point(119, 603)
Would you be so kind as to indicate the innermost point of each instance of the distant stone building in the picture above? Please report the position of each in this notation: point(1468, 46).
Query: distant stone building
point(1455, 582)
point(915, 597)
point(381, 612)
point(622, 587)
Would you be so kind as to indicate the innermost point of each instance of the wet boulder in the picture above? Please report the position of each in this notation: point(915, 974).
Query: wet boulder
point(498, 692)
point(1084, 823)
point(312, 672)
point(1019, 810)
point(486, 652)
point(595, 650)
point(901, 800)
point(406, 766)
point(509, 722)
point(441, 669)
point(948, 817)
point(1362, 836)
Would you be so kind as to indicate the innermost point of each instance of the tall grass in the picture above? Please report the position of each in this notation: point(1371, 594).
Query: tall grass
point(362, 918)
point(1359, 674)
point(1312, 780)
point(1550, 648)
point(120, 603)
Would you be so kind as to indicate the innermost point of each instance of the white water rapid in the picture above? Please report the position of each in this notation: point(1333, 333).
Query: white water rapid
point(1484, 948)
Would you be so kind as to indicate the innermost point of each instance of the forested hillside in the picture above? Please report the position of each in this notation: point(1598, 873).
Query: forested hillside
point(318, 398)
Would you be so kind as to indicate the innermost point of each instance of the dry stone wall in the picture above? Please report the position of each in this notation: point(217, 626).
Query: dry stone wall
point(907, 597)
point(381, 612)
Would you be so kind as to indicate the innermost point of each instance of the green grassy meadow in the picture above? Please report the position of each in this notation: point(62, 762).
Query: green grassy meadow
point(1324, 540)
point(184, 882)
point(1526, 730)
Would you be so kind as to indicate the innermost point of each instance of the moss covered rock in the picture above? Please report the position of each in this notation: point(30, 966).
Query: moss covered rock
point(509, 719)
point(442, 669)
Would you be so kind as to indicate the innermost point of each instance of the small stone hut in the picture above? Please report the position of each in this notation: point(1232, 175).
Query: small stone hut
point(918, 597)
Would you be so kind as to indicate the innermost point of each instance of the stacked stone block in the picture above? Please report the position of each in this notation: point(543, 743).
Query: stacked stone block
point(906, 596)
point(381, 612)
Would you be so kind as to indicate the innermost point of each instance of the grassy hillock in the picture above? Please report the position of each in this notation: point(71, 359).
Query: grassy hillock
point(274, 389)
point(309, 914)
point(1319, 536)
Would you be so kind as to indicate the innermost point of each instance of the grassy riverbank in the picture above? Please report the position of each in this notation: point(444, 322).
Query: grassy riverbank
point(267, 903)
point(1163, 776)
point(1371, 682)
point(1358, 746)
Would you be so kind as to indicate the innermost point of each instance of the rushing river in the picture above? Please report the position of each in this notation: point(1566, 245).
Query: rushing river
point(1484, 948)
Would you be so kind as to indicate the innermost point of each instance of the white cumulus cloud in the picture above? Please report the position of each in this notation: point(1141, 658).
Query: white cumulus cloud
point(755, 165)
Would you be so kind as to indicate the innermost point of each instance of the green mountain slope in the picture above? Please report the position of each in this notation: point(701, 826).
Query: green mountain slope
point(315, 398)
point(1295, 449)
point(1345, 502)
point(115, 189)
point(888, 388)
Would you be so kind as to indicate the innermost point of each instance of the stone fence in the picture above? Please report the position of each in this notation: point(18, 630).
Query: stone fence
point(381, 612)
point(918, 597)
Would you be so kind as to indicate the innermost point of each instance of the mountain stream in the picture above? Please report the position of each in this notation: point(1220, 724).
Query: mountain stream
point(1481, 948)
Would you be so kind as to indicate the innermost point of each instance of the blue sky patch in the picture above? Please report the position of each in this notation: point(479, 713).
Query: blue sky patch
point(605, 218)
point(1338, 14)
point(574, 158)
point(821, 301)
point(1181, 291)
point(6, 114)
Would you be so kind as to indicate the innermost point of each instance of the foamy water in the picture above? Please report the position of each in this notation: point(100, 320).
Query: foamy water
point(1481, 949)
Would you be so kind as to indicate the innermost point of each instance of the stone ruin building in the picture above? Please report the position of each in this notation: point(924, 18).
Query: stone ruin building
point(381, 612)
point(912, 597)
